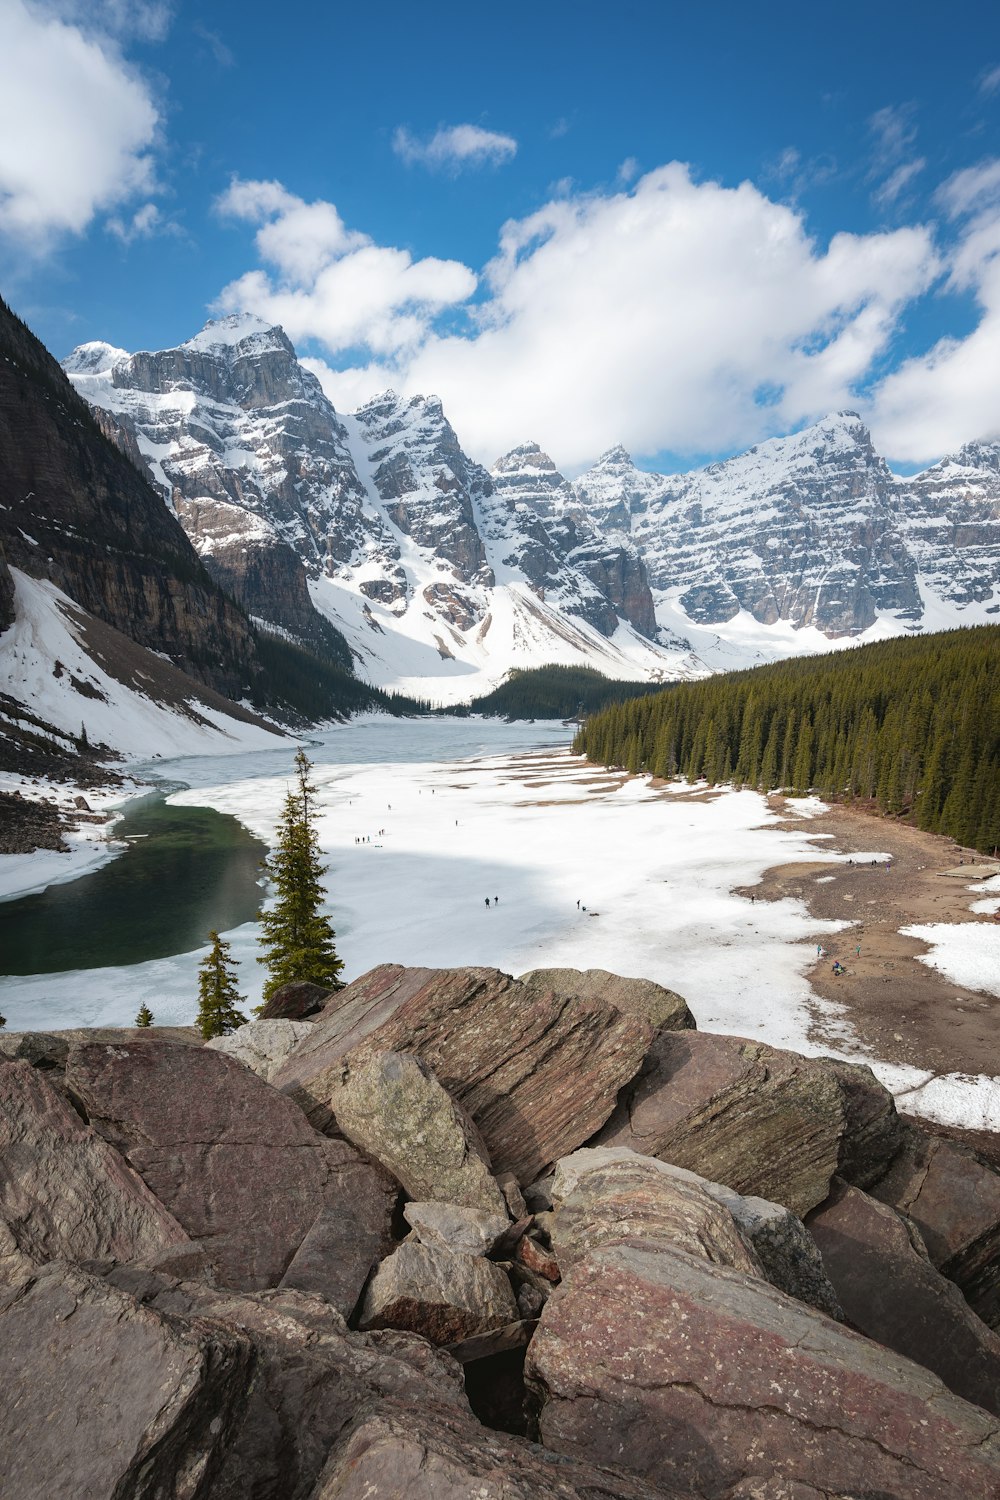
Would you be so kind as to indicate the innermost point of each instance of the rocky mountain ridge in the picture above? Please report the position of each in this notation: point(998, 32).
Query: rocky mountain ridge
point(442, 575)
point(382, 1250)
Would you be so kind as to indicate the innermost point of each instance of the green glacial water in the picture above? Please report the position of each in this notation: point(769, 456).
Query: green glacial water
point(187, 870)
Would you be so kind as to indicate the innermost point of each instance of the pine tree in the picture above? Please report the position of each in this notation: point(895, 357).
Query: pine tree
point(217, 992)
point(145, 1015)
point(298, 940)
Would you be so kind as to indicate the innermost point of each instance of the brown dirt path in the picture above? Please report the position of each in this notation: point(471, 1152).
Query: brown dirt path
point(900, 1009)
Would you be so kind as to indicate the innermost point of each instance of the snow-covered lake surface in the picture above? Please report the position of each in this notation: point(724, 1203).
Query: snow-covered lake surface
point(590, 873)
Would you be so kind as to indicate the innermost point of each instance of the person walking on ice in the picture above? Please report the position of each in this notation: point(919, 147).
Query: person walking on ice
point(487, 900)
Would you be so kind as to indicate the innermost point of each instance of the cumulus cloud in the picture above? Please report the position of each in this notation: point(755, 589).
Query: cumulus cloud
point(935, 402)
point(76, 124)
point(673, 314)
point(453, 147)
point(333, 284)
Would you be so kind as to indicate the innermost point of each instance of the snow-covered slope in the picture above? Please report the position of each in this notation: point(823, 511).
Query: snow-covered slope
point(78, 677)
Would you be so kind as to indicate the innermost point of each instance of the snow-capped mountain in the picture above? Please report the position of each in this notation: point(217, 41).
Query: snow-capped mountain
point(377, 523)
point(441, 575)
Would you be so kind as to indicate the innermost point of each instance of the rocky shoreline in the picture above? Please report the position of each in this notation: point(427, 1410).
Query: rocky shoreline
point(449, 1234)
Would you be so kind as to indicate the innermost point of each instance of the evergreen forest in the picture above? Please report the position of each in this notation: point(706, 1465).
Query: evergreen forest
point(910, 726)
point(552, 692)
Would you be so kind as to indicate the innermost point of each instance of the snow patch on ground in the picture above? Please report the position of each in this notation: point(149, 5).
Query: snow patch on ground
point(968, 953)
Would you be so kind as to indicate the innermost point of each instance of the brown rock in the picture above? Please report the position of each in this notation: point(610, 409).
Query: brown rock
point(764, 1122)
point(299, 1000)
point(953, 1197)
point(393, 1108)
point(445, 1296)
point(538, 1073)
point(604, 1197)
point(103, 1398)
point(699, 1377)
point(64, 1192)
point(534, 1257)
point(336, 1257)
point(633, 997)
point(432, 1455)
point(891, 1292)
point(233, 1160)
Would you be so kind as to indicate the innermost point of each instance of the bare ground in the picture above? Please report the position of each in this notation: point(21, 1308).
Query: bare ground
point(900, 1009)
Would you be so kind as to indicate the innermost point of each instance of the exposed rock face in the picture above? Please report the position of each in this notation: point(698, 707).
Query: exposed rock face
point(954, 1200)
point(537, 1072)
point(64, 1192)
point(393, 1108)
point(606, 1197)
point(551, 535)
point(634, 997)
point(891, 1292)
point(764, 1122)
point(234, 1161)
point(442, 1294)
point(697, 1377)
point(105, 1398)
point(873, 1132)
point(262, 1046)
point(80, 514)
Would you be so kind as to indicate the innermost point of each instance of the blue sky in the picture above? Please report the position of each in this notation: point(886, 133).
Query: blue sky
point(685, 228)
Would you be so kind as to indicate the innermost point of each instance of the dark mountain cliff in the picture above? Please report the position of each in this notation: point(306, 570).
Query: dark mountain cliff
point(75, 510)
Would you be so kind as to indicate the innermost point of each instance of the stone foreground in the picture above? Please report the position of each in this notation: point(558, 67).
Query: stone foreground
point(488, 1240)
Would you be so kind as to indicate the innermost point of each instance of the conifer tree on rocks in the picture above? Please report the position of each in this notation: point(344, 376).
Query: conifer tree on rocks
point(297, 938)
point(145, 1015)
point(218, 996)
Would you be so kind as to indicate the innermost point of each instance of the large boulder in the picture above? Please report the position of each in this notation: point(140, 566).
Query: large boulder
point(604, 1197)
point(336, 1257)
point(634, 997)
point(399, 1454)
point(393, 1108)
point(765, 1122)
point(874, 1134)
point(443, 1294)
point(696, 1376)
point(104, 1398)
point(891, 1292)
point(64, 1192)
point(262, 1046)
point(953, 1197)
point(446, 1226)
point(608, 1193)
point(538, 1072)
point(235, 1161)
point(299, 1000)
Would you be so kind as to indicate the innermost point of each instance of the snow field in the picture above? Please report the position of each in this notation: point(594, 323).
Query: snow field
point(654, 873)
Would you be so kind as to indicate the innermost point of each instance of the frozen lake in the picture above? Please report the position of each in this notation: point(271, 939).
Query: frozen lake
point(422, 820)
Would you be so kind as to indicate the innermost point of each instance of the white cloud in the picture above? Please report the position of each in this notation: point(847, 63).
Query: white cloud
point(76, 127)
point(454, 147)
point(989, 83)
point(934, 403)
point(143, 225)
point(657, 316)
point(334, 284)
point(146, 20)
point(893, 165)
point(888, 191)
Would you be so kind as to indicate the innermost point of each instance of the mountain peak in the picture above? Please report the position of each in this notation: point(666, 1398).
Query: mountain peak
point(94, 358)
point(236, 329)
point(617, 457)
point(524, 456)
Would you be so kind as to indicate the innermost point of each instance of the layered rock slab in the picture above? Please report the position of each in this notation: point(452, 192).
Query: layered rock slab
point(764, 1122)
point(697, 1377)
point(103, 1398)
point(234, 1160)
point(954, 1199)
point(393, 1108)
point(633, 997)
point(64, 1192)
point(538, 1072)
point(891, 1292)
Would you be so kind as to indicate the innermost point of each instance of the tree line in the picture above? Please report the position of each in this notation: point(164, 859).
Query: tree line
point(911, 726)
point(551, 692)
